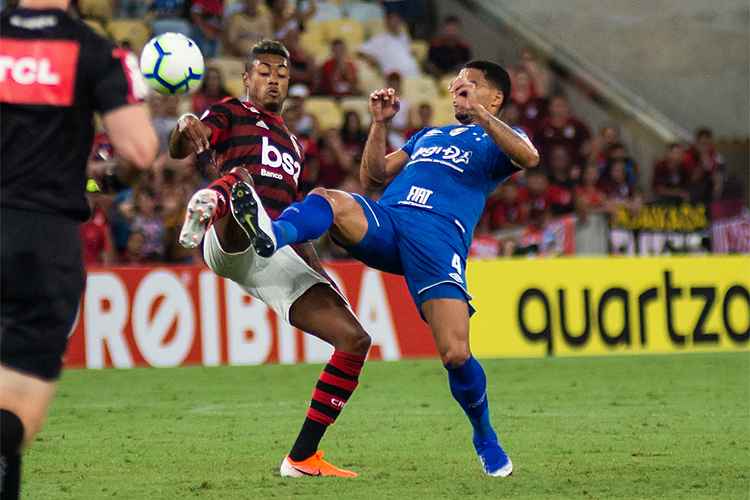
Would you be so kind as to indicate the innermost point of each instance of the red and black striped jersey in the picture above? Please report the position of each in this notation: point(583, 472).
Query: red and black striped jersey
point(246, 135)
point(55, 72)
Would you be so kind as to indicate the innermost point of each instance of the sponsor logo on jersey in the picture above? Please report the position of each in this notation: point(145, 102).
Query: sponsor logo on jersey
point(267, 173)
point(270, 156)
point(451, 156)
point(417, 197)
point(33, 23)
point(39, 72)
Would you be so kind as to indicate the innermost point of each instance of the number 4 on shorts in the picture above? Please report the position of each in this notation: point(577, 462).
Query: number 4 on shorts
point(456, 264)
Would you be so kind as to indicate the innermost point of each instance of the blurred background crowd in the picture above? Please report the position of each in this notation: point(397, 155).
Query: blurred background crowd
point(340, 51)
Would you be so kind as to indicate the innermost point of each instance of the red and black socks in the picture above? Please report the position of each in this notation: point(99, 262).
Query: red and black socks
point(334, 388)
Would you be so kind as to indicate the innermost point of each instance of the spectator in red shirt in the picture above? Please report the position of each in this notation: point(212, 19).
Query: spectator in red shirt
point(616, 152)
point(334, 159)
point(561, 127)
point(353, 135)
point(671, 176)
point(608, 136)
point(301, 63)
point(212, 91)
point(424, 120)
point(448, 50)
point(615, 185)
point(206, 16)
point(537, 70)
point(96, 239)
point(531, 107)
point(703, 156)
point(338, 75)
point(562, 188)
point(535, 195)
point(589, 191)
point(504, 209)
point(589, 196)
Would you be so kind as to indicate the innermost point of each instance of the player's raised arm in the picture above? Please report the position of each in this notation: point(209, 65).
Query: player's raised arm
point(378, 168)
point(189, 136)
point(468, 102)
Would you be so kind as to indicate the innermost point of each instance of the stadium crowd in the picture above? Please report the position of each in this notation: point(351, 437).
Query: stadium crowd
point(340, 51)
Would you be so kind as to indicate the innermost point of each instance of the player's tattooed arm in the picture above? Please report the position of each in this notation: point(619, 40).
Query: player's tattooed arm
point(377, 168)
point(189, 136)
point(518, 148)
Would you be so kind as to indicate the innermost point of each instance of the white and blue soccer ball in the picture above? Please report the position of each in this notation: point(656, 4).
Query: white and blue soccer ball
point(172, 64)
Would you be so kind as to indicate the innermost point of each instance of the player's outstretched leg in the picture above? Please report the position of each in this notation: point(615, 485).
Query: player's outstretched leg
point(208, 205)
point(305, 220)
point(449, 321)
point(323, 313)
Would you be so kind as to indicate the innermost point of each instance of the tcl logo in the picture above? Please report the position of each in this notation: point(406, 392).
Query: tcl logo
point(272, 157)
point(38, 71)
point(28, 70)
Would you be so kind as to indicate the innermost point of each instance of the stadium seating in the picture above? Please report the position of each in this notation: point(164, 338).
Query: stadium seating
point(97, 26)
point(325, 110)
point(442, 108)
point(96, 9)
point(444, 83)
point(231, 70)
point(374, 26)
point(419, 88)
point(349, 30)
point(358, 104)
point(419, 48)
point(369, 78)
point(135, 32)
point(364, 12)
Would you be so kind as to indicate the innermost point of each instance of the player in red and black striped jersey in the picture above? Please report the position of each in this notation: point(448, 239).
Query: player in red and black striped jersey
point(55, 72)
point(247, 141)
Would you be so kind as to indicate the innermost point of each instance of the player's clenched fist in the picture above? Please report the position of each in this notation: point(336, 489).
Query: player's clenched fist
point(194, 132)
point(464, 95)
point(384, 104)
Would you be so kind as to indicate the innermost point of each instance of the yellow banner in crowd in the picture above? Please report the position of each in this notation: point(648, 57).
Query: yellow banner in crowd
point(614, 305)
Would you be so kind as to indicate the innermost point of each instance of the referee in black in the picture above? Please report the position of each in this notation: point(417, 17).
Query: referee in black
point(55, 72)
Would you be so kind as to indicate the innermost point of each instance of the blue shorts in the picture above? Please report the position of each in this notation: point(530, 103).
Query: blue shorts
point(428, 250)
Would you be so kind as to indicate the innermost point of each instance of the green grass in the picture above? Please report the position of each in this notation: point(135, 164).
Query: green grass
point(618, 427)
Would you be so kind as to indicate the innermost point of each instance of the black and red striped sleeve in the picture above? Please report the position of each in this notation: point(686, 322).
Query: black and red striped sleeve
point(218, 118)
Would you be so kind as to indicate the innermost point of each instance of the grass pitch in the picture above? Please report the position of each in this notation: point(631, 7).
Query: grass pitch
point(618, 427)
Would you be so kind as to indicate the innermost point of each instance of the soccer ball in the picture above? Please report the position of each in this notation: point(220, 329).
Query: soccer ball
point(172, 64)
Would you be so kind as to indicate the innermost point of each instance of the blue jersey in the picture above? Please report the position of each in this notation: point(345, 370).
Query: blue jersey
point(451, 171)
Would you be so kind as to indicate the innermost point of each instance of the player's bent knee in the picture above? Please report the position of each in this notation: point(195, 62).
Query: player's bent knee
point(354, 340)
point(455, 356)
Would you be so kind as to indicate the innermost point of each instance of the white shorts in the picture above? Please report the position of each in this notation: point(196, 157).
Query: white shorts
point(277, 281)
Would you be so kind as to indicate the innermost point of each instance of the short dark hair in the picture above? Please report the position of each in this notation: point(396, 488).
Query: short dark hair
point(704, 132)
point(266, 47)
point(495, 74)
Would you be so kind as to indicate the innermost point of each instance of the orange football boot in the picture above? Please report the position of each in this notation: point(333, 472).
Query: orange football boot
point(313, 466)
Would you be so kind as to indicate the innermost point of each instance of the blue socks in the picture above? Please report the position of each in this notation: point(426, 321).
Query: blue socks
point(469, 387)
point(303, 221)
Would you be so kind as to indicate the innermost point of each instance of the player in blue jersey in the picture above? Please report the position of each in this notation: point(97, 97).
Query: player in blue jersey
point(435, 190)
